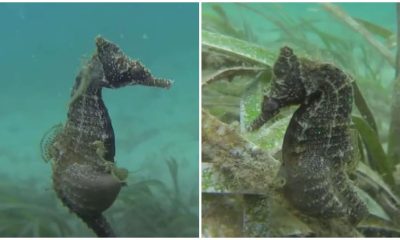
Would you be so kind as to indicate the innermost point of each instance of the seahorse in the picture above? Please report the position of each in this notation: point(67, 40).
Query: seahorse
point(85, 176)
point(317, 143)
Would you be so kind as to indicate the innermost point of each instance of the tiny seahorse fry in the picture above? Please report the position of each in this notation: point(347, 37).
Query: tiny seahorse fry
point(317, 143)
point(82, 151)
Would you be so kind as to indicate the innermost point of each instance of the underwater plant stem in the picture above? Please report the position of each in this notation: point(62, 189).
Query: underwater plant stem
point(394, 130)
point(173, 170)
point(362, 106)
point(230, 72)
point(344, 17)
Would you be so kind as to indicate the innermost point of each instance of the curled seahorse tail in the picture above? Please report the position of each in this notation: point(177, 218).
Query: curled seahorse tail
point(99, 225)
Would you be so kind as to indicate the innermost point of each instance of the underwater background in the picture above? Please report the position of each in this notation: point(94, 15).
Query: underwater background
point(315, 32)
point(43, 46)
point(240, 43)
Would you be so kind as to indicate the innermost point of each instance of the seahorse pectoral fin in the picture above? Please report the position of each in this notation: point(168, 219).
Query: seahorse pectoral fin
point(270, 107)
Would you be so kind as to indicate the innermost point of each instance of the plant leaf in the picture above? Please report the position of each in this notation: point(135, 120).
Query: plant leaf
point(238, 48)
point(362, 106)
point(379, 159)
point(373, 207)
point(374, 28)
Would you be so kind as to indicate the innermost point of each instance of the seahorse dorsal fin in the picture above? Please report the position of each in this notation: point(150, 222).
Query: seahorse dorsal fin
point(47, 142)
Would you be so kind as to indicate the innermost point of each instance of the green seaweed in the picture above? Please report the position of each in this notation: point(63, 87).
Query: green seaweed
point(375, 28)
point(237, 48)
point(146, 208)
point(380, 162)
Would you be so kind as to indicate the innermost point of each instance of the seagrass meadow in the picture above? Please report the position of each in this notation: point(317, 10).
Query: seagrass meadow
point(81, 158)
point(300, 120)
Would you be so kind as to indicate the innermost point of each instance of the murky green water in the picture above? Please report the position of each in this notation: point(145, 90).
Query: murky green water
point(241, 42)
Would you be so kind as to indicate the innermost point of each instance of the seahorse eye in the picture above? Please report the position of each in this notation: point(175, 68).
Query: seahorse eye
point(286, 52)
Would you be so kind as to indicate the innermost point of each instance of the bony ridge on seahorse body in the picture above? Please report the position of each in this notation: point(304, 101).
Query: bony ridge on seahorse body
point(82, 150)
point(317, 143)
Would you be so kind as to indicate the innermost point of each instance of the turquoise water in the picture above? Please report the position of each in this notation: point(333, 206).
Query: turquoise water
point(42, 49)
point(383, 14)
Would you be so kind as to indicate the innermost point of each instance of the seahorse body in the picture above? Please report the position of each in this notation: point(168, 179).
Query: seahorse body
point(82, 151)
point(317, 142)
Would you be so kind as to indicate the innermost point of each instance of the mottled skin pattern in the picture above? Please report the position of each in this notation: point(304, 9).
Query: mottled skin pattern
point(82, 152)
point(317, 142)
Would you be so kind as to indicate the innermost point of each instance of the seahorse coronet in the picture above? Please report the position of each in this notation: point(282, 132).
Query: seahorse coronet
point(317, 144)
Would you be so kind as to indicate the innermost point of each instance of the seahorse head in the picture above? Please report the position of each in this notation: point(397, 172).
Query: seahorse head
point(286, 86)
point(116, 65)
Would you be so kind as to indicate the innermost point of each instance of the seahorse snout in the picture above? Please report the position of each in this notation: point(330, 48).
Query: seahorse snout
point(269, 108)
